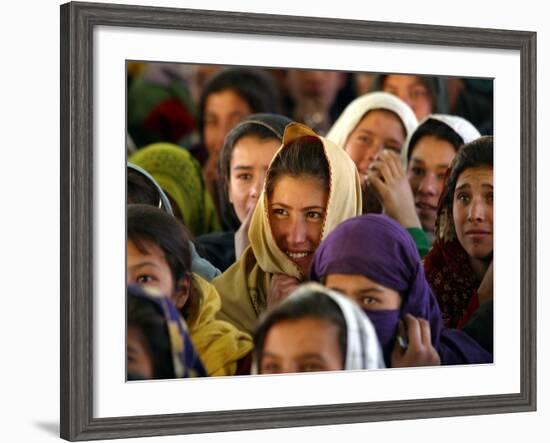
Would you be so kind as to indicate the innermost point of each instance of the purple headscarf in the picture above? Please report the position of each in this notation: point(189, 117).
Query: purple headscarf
point(380, 249)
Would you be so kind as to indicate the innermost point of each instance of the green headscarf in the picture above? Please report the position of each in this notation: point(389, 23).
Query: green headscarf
point(179, 175)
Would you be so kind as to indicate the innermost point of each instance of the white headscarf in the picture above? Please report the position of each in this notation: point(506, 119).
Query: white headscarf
point(363, 350)
point(461, 126)
point(356, 110)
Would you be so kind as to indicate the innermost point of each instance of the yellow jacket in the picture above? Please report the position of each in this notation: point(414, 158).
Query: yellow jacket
point(219, 344)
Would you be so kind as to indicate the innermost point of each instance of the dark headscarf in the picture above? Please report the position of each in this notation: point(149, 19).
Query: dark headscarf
point(379, 248)
point(185, 360)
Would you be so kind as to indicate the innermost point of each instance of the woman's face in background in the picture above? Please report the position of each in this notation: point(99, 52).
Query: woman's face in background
point(426, 170)
point(378, 130)
point(413, 91)
point(297, 210)
point(248, 167)
point(473, 211)
point(306, 344)
point(222, 111)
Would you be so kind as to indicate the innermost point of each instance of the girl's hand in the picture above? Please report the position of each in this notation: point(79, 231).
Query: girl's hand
point(419, 351)
point(389, 180)
point(281, 287)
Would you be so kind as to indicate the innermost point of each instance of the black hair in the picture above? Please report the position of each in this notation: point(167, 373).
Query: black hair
point(302, 156)
point(254, 86)
point(472, 155)
point(141, 190)
point(437, 129)
point(312, 304)
point(147, 317)
point(149, 224)
point(437, 87)
point(262, 126)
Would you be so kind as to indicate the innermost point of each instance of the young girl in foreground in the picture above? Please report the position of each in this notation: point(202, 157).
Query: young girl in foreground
point(315, 329)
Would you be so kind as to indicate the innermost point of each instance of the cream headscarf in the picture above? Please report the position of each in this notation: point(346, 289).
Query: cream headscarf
point(244, 286)
point(356, 110)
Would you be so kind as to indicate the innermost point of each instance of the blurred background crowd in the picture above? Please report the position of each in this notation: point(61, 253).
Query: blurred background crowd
point(286, 220)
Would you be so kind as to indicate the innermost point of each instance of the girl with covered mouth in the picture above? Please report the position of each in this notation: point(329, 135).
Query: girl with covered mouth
point(311, 186)
point(374, 262)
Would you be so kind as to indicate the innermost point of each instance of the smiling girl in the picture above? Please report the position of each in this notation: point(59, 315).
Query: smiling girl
point(244, 158)
point(311, 186)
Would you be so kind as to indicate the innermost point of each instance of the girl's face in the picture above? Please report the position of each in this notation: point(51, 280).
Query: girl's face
point(150, 268)
point(222, 111)
point(297, 209)
point(139, 361)
point(429, 161)
point(377, 130)
point(301, 345)
point(473, 211)
point(368, 294)
point(412, 90)
point(249, 162)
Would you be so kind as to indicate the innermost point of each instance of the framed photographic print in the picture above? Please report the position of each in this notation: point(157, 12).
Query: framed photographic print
point(97, 43)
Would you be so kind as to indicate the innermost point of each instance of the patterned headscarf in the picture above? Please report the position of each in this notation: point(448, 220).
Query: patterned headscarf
point(180, 176)
point(185, 360)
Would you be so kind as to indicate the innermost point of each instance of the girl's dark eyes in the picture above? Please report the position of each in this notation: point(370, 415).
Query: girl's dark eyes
point(368, 300)
point(244, 176)
point(396, 149)
point(364, 139)
point(314, 215)
point(279, 211)
point(271, 368)
point(420, 92)
point(464, 198)
point(311, 367)
point(142, 279)
point(417, 171)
